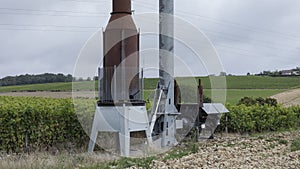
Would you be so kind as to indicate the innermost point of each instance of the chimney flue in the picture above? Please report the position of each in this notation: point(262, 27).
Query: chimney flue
point(121, 6)
point(121, 55)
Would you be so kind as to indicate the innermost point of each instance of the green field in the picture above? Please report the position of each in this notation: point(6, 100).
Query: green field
point(54, 87)
point(250, 82)
point(65, 86)
point(234, 95)
point(237, 86)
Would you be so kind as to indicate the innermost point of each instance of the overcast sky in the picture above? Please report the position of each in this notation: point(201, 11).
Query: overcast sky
point(40, 36)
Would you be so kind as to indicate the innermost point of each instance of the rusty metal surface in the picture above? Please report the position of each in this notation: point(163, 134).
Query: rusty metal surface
point(200, 93)
point(121, 50)
point(121, 6)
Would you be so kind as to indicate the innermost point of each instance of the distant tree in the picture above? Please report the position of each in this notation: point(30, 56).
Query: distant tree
point(206, 99)
point(222, 73)
point(271, 101)
point(276, 73)
point(69, 78)
point(34, 79)
point(249, 101)
point(267, 73)
point(248, 74)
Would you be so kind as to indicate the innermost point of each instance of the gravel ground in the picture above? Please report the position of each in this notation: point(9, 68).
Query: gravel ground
point(271, 151)
point(263, 151)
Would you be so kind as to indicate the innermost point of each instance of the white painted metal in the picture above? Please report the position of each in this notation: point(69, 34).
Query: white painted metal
point(121, 119)
point(214, 108)
point(124, 134)
point(155, 110)
point(170, 115)
point(214, 112)
point(179, 124)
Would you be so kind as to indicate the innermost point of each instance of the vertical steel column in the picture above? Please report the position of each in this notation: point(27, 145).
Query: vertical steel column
point(166, 43)
point(166, 69)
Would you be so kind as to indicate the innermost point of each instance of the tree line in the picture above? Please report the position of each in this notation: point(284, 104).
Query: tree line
point(290, 72)
point(35, 79)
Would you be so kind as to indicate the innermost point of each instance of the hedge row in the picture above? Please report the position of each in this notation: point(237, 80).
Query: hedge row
point(260, 118)
point(35, 123)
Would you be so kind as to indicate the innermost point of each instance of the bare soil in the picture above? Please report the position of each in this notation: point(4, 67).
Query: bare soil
point(288, 98)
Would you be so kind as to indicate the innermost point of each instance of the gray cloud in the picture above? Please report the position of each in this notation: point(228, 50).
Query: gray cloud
point(250, 36)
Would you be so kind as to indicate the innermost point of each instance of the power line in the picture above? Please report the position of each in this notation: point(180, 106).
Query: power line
point(47, 30)
point(249, 54)
point(226, 22)
point(60, 11)
point(266, 43)
point(238, 38)
point(97, 14)
point(242, 26)
point(231, 37)
point(6, 13)
point(223, 35)
point(60, 26)
point(84, 1)
point(249, 51)
point(245, 27)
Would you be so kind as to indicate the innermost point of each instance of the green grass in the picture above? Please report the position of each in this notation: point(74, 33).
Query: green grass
point(238, 82)
point(64, 86)
point(262, 82)
point(233, 82)
point(129, 162)
point(234, 95)
point(61, 87)
point(295, 146)
point(238, 86)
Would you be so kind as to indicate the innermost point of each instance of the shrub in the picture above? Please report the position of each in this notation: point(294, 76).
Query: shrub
point(295, 146)
point(249, 101)
point(260, 118)
point(38, 123)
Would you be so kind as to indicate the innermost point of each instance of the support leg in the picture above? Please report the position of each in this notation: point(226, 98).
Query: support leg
point(94, 134)
point(168, 135)
point(124, 144)
point(124, 134)
point(149, 137)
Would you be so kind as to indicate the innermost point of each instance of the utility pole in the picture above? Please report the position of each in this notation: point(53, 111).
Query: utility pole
point(166, 70)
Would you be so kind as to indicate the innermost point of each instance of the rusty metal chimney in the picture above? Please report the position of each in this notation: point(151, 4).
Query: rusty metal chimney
point(121, 6)
point(121, 55)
